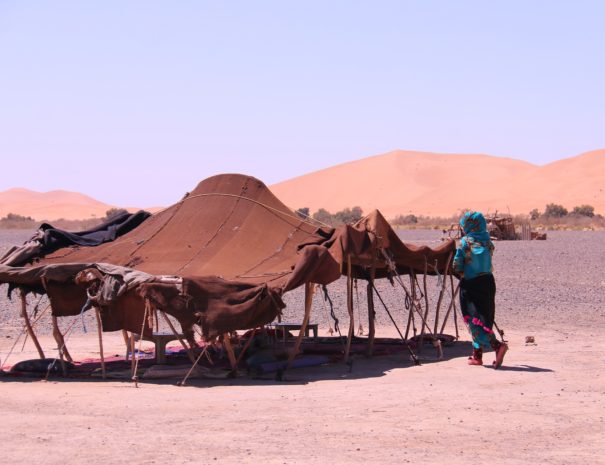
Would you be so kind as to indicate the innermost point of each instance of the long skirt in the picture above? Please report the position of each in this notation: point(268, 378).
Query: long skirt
point(477, 301)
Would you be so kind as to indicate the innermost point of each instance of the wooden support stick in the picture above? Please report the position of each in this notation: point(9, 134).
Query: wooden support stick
point(426, 294)
point(413, 297)
point(189, 350)
point(350, 309)
point(197, 360)
point(371, 310)
point(407, 329)
point(28, 325)
point(230, 353)
point(245, 348)
point(126, 341)
point(100, 333)
point(426, 304)
point(309, 289)
point(442, 291)
point(452, 305)
point(60, 341)
point(133, 368)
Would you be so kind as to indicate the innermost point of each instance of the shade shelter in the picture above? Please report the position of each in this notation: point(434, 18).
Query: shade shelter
point(222, 258)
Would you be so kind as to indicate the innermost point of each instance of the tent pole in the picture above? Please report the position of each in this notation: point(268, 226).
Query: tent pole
point(452, 305)
point(28, 325)
point(426, 304)
point(185, 346)
point(454, 294)
point(60, 341)
point(100, 333)
point(126, 341)
point(230, 353)
point(132, 355)
point(413, 306)
point(246, 346)
point(442, 291)
point(371, 311)
point(426, 294)
point(349, 308)
point(309, 289)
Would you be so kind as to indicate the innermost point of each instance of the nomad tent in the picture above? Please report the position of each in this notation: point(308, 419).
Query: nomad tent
point(222, 258)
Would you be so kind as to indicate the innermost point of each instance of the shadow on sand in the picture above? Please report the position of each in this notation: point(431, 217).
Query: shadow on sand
point(359, 366)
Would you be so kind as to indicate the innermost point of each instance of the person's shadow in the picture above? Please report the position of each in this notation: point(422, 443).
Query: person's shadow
point(524, 368)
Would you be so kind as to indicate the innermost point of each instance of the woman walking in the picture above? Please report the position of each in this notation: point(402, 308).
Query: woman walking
point(473, 262)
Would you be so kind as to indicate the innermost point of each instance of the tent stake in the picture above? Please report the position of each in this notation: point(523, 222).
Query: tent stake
point(28, 325)
point(309, 288)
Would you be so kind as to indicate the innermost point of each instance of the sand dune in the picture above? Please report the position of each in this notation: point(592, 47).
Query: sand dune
point(404, 182)
point(51, 205)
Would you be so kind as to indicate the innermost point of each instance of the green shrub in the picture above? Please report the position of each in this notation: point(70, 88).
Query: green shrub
point(584, 210)
point(554, 210)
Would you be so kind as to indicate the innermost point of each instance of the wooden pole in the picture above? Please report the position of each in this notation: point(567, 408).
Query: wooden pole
point(452, 305)
point(100, 333)
point(126, 341)
point(413, 297)
point(411, 312)
point(28, 325)
point(442, 291)
point(132, 355)
point(245, 348)
point(426, 294)
point(230, 353)
point(426, 304)
point(60, 341)
point(371, 311)
point(454, 293)
point(189, 350)
point(309, 289)
point(349, 308)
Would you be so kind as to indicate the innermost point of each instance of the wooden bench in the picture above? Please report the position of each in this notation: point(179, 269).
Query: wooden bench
point(160, 339)
point(285, 327)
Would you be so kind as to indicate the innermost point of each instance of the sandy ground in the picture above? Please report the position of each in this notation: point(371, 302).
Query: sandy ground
point(546, 405)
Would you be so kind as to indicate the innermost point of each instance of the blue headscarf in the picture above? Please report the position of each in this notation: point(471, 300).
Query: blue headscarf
point(474, 226)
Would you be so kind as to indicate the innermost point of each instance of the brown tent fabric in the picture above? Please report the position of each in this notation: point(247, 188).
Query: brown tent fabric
point(237, 249)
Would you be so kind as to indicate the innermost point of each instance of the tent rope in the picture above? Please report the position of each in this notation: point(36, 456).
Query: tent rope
point(412, 354)
point(323, 301)
point(268, 207)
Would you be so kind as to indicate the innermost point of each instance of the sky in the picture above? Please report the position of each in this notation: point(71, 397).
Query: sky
point(135, 102)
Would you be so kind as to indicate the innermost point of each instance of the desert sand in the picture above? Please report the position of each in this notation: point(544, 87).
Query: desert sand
point(397, 183)
point(51, 205)
point(421, 183)
point(545, 405)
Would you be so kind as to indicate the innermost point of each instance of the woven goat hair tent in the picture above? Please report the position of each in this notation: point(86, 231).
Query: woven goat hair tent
point(222, 257)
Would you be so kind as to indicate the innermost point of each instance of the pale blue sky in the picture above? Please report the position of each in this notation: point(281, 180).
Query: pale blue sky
point(133, 102)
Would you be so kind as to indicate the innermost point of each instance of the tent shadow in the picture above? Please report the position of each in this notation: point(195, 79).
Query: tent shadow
point(360, 366)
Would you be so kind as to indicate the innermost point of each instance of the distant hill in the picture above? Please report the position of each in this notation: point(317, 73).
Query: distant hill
point(51, 205)
point(422, 183)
